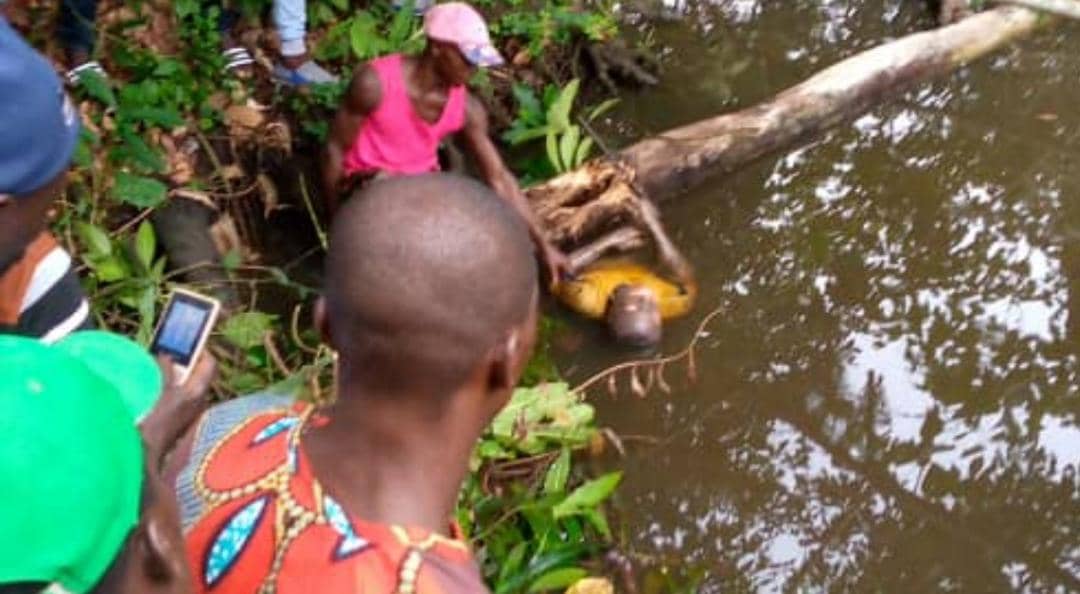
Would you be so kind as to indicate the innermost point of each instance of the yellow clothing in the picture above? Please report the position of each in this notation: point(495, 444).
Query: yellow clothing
point(588, 294)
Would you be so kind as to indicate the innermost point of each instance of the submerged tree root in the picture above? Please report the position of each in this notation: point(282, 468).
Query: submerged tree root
point(599, 196)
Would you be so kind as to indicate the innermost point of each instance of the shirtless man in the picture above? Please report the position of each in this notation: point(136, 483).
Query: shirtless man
point(399, 108)
point(631, 299)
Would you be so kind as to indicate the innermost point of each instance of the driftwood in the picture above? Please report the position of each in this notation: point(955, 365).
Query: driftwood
point(606, 192)
point(1065, 8)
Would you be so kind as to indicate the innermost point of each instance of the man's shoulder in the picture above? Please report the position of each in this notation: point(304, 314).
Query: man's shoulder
point(41, 294)
point(217, 425)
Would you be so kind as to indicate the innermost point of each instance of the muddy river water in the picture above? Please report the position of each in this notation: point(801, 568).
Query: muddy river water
point(890, 400)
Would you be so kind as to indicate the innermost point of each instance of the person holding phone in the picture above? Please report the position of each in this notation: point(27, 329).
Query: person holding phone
point(83, 508)
point(40, 295)
point(433, 329)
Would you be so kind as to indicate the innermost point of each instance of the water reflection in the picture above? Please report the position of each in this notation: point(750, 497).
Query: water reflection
point(891, 403)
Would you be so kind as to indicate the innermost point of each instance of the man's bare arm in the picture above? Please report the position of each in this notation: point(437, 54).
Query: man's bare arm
point(620, 240)
point(361, 98)
point(670, 256)
point(499, 177)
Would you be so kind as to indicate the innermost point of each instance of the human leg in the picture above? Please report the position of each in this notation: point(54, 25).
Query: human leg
point(75, 29)
point(296, 67)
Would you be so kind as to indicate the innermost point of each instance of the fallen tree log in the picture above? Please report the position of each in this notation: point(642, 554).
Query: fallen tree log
point(606, 192)
point(1065, 8)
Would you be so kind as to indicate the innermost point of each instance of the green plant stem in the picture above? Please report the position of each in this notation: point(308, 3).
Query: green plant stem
point(311, 213)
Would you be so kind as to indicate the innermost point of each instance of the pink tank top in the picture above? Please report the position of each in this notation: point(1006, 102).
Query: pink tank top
point(394, 139)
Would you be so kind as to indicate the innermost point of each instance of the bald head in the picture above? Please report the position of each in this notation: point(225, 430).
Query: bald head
point(425, 276)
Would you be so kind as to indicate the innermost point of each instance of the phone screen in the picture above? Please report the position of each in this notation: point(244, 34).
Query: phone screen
point(181, 328)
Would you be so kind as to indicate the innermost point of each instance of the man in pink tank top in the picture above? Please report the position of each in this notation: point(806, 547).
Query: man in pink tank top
point(398, 109)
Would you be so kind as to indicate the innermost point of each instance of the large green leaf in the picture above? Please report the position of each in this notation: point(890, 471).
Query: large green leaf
point(558, 579)
point(558, 115)
point(598, 521)
point(530, 112)
point(588, 496)
point(110, 268)
point(603, 108)
point(541, 564)
point(145, 244)
point(136, 190)
point(135, 152)
point(364, 36)
point(94, 238)
point(147, 306)
point(401, 27)
point(558, 473)
point(568, 145)
point(552, 147)
point(513, 561)
point(97, 87)
point(166, 117)
point(246, 330)
point(541, 417)
point(583, 150)
point(520, 134)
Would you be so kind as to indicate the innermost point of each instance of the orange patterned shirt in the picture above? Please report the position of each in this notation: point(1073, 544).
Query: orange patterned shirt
point(256, 520)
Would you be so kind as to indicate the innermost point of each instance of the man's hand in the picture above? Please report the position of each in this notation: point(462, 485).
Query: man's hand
point(179, 406)
point(556, 264)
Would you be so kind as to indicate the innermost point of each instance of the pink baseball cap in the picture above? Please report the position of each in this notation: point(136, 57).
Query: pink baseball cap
point(460, 24)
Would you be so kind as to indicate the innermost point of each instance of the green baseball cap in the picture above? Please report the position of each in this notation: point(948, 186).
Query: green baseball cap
point(71, 457)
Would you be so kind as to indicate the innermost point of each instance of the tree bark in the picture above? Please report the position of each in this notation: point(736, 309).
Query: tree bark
point(575, 206)
point(1065, 8)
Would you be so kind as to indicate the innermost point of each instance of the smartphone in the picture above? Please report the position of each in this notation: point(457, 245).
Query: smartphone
point(183, 329)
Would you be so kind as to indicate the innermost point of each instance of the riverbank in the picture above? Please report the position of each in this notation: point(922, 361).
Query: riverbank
point(188, 177)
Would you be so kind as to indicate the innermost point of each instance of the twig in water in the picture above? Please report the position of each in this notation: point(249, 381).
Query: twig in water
point(654, 368)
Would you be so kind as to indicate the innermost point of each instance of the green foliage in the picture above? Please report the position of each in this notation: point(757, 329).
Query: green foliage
point(142, 192)
point(314, 109)
point(539, 419)
point(370, 33)
point(550, 118)
point(533, 535)
point(554, 22)
point(123, 273)
point(246, 330)
point(587, 496)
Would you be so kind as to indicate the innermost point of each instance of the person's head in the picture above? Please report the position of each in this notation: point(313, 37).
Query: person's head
point(458, 41)
point(633, 316)
point(80, 509)
point(431, 295)
point(38, 132)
